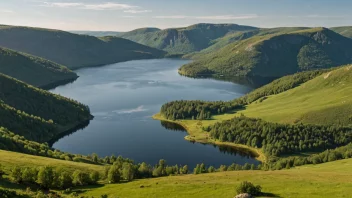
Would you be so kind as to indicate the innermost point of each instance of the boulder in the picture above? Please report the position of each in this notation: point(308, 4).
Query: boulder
point(244, 195)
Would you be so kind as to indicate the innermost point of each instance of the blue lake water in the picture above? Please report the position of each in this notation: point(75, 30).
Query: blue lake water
point(123, 97)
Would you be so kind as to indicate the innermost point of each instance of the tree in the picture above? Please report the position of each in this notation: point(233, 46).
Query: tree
point(211, 169)
point(113, 174)
point(185, 169)
point(29, 175)
point(127, 171)
point(94, 177)
point(95, 158)
point(144, 170)
point(64, 180)
point(248, 187)
point(80, 178)
point(16, 174)
point(45, 176)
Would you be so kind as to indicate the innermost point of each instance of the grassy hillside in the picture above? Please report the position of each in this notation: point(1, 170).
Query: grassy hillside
point(275, 55)
point(331, 179)
point(325, 99)
point(73, 50)
point(324, 180)
point(239, 36)
point(37, 114)
point(345, 31)
point(183, 40)
point(33, 70)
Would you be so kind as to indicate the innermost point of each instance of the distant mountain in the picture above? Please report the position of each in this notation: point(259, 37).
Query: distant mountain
point(36, 114)
point(73, 50)
point(33, 70)
point(98, 33)
point(275, 55)
point(344, 31)
point(239, 36)
point(183, 40)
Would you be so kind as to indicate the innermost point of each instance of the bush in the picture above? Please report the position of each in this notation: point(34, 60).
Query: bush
point(248, 187)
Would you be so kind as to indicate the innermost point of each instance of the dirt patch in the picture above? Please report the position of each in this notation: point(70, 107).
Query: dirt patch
point(327, 75)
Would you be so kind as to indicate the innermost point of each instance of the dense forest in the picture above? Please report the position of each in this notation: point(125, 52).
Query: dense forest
point(274, 55)
point(73, 50)
point(279, 139)
point(202, 110)
point(37, 114)
point(33, 70)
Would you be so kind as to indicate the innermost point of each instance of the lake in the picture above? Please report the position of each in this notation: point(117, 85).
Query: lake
point(124, 96)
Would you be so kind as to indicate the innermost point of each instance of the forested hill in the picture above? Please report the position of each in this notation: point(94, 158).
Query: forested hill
point(33, 70)
point(183, 40)
point(73, 50)
point(275, 55)
point(36, 114)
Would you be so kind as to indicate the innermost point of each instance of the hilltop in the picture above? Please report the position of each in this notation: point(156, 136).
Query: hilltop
point(73, 50)
point(33, 70)
point(275, 55)
point(98, 33)
point(36, 114)
point(183, 40)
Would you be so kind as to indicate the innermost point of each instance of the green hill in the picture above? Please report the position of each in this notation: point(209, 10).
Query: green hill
point(98, 33)
point(239, 36)
point(326, 99)
point(275, 55)
point(33, 70)
point(37, 114)
point(183, 40)
point(345, 31)
point(73, 50)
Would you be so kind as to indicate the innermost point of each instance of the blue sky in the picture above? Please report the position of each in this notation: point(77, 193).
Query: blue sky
point(124, 15)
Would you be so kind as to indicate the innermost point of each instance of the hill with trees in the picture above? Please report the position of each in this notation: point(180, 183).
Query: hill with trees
point(73, 50)
point(98, 33)
point(33, 70)
point(275, 55)
point(36, 114)
point(183, 40)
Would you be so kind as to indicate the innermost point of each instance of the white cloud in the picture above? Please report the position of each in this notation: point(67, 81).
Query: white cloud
point(137, 11)
point(219, 17)
point(171, 17)
point(98, 6)
point(7, 11)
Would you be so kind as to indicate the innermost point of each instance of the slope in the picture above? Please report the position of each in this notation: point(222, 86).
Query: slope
point(183, 40)
point(33, 70)
point(37, 114)
point(73, 50)
point(98, 33)
point(344, 31)
point(275, 55)
point(326, 99)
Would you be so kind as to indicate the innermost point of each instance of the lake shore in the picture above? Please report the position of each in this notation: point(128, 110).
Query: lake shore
point(197, 134)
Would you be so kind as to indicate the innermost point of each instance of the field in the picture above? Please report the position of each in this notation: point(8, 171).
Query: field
point(332, 179)
point(327, 99)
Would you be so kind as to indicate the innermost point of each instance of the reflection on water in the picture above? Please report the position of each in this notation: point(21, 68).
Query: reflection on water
point(223, 149)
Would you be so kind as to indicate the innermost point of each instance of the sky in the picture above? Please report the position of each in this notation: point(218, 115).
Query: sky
point(125, 15)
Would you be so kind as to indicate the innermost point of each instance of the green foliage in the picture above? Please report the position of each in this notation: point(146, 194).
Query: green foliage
point(37, 114)
point(80, 178)
point(73, 50)
point(45, 177)
point(274, 55)
point(277, 139)
point(33, 70)
point(183, 40)
point(248, 187)
point(114, 175)
point(16, 174)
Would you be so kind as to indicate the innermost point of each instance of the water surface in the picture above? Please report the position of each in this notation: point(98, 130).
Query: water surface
point(124, 96)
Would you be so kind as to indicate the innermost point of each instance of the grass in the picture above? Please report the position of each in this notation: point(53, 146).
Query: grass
point(197, 134)
point(10, 159)
point(327, 99)
point(333, 179)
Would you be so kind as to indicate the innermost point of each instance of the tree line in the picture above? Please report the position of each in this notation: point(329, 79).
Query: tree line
point(279, 139)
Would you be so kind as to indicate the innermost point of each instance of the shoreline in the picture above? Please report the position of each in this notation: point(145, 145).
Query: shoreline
point(200, 136)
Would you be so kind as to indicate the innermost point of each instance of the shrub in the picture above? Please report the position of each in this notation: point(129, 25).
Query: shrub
point(248, 187)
